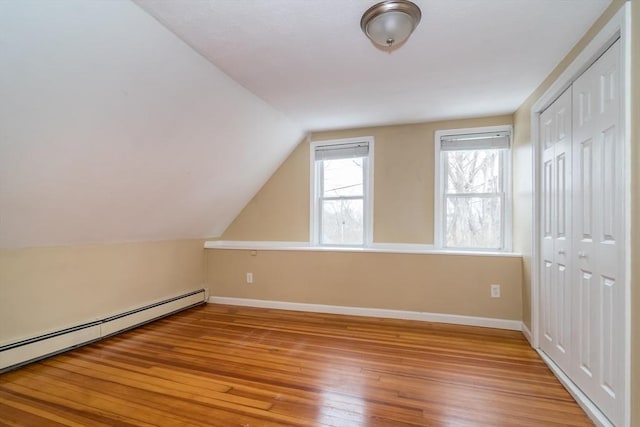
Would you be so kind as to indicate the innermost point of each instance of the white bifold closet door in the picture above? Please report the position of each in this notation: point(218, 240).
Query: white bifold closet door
point(582, 241)
point(599, 241)
point(555, 134)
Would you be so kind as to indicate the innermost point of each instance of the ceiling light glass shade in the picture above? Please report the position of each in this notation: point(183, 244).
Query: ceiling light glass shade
point(390, 22)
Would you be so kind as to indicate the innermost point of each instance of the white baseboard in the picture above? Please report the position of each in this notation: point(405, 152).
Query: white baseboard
point(486, 322)
point(30, 350)
point(592, 411)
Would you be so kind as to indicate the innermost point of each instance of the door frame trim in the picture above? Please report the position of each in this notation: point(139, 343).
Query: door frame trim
point(619, 26)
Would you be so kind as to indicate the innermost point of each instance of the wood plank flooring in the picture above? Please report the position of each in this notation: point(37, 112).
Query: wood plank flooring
point(220, 365)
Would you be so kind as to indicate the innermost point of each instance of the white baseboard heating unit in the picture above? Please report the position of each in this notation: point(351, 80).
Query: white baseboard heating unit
point(30, 350)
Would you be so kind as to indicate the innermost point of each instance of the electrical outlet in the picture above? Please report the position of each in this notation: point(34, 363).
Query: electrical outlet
point(495, 291)
point(249, 277)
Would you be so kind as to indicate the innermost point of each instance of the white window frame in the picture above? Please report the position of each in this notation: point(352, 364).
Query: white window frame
point(439, 217)
point(367, 208)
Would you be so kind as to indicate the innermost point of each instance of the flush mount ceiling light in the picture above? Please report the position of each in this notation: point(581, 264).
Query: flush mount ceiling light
point(389, 23)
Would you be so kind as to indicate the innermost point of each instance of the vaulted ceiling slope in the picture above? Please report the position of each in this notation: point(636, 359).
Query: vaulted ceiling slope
point(112, 129)
point(309, 59)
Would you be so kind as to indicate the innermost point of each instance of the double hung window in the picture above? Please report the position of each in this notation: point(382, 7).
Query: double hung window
point(341, 189)
point(473, 201)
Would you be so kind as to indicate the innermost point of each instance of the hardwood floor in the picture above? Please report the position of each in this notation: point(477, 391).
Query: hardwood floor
point(234, 366)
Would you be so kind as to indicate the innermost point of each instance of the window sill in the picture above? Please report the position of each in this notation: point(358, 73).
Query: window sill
point(391, 248)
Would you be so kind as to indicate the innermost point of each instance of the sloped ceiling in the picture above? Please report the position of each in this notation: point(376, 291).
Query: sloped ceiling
point(112, 129)
point(310, 60)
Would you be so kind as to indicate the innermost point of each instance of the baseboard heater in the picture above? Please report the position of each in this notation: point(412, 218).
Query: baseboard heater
point(20, 353)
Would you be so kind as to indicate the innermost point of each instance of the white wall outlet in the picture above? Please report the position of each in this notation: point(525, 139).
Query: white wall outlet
point(249, 277)
point(495, 291)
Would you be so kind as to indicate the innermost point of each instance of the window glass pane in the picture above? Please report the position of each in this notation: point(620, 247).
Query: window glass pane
point(342, 222)
point(343, 177)
point(473, 171)
point(473, 222)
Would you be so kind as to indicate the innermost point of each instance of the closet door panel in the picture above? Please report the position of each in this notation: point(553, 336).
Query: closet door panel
point(556, 230)
point(563, 236)
point(548, 132)
point(586, 321)
point(598, 175)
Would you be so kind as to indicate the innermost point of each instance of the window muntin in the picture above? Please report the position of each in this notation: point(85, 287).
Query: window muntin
point(474, 190)
point(341, 213)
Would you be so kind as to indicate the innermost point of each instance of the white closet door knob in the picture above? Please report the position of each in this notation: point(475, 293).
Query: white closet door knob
point(582, 254)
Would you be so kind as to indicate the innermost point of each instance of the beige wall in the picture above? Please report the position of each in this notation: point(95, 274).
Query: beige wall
point(280, 210)
point(403, 213)
point(523, 203)
point(46, 289)
point(403, 186)
point(414, 282)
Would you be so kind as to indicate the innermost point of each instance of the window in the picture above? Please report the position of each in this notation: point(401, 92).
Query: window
point(341, 202)
point(473, 189)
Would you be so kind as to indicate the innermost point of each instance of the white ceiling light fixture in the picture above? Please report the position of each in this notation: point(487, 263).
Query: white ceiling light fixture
point(389, 23)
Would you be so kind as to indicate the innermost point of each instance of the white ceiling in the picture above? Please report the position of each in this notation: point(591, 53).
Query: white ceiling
point(309, 59)
point(113, 129)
